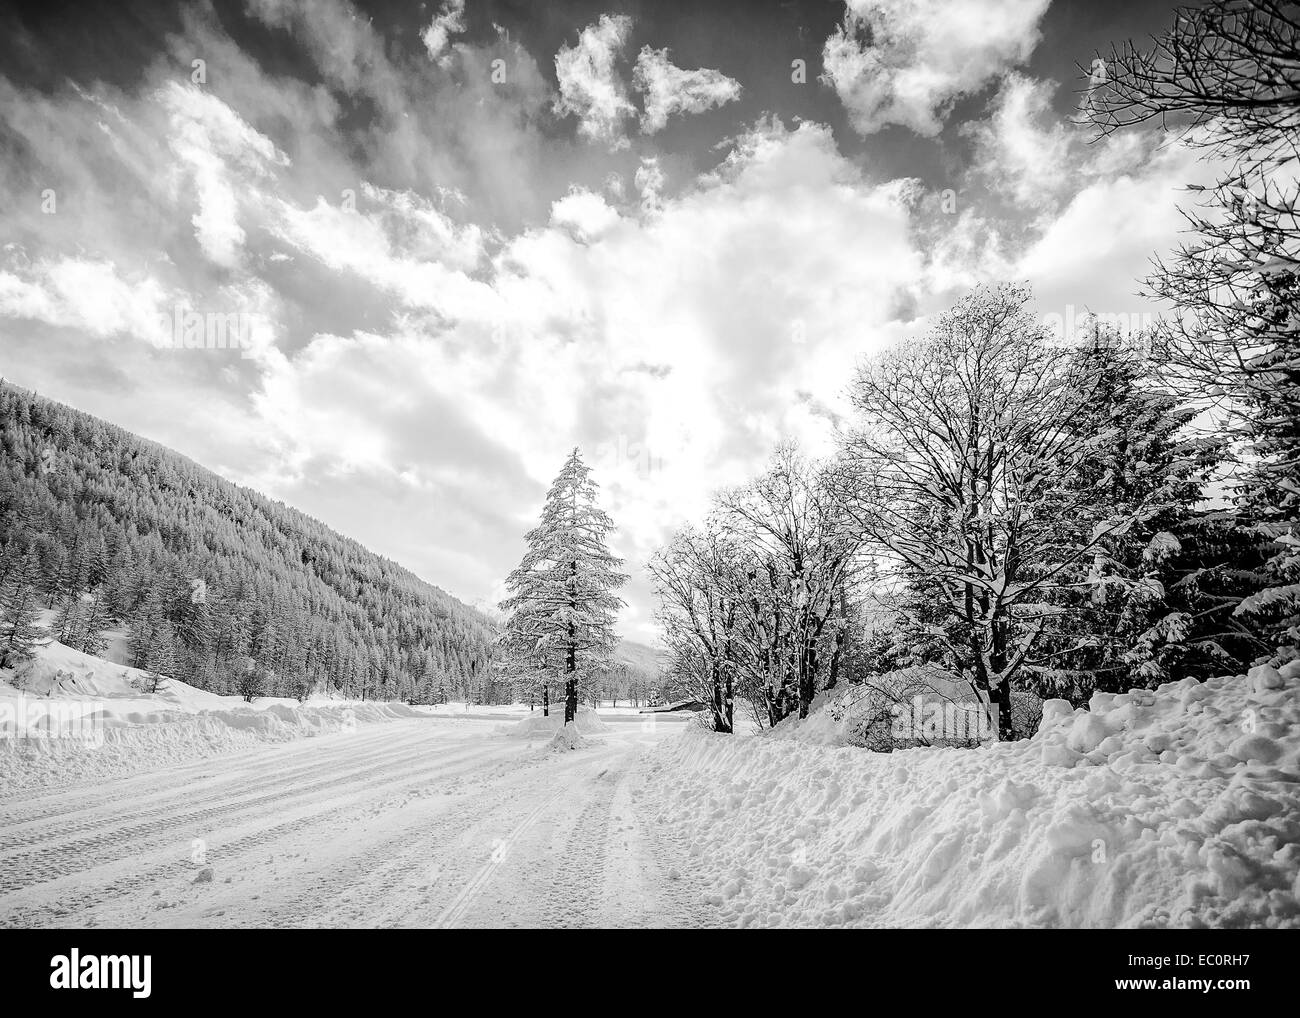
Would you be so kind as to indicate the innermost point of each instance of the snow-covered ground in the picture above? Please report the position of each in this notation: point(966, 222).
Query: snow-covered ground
point(83, 718)
point(415, 822)
point(1179, 807)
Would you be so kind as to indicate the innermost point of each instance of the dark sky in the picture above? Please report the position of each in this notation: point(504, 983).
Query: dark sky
point(45, 44)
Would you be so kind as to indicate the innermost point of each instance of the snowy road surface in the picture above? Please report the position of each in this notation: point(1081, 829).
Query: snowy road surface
point(418, 822)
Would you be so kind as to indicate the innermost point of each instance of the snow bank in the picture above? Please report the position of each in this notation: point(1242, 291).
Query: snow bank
point(566, 739)
point(1179, 807)
point(864, 715)
point(110, 743)
point(587, 722)
point(82, 718)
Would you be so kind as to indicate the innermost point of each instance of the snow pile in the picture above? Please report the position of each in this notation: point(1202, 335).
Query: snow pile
point(864, 714)
point(566, 739)
point(107, 742)
point(75, 717)
point(587, 722)
point(1179, 807)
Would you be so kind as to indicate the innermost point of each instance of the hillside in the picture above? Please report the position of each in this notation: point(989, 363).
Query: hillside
point(215, 584)
point(644, 660)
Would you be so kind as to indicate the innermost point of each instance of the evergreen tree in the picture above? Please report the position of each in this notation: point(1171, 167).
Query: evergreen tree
point(97, 617)
point(1233, 346)
point(19, 611)
point(160, 657)
point(562, 606)
point(69, 621)
point(1123, 617)
point(150, 633)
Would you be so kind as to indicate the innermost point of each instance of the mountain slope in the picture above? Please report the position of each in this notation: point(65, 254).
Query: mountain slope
point(218, 585)
point(645, 660)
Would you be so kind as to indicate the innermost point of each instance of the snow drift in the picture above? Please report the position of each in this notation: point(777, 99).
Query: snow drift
point(587, 722)
point(567, 739)
point(80, 718)
point(1178, 807)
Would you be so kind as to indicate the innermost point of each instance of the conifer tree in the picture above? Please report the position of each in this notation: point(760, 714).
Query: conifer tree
point(562, 606)
point(1226, 68)
point(19, 611)
point(1123, 617)
point(90, 640)
point(69, 620)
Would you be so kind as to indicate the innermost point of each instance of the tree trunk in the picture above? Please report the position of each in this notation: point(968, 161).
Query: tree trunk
point(571, 683)
point(728, 702)
point(1000, 685)
point(1000, 697)
point(571, 663)
point(546, 701)
point(808, 678)
point(836, 655)
point(715, 702)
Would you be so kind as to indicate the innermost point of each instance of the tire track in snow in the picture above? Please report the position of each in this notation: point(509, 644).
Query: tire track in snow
point(174, 869)
point(387, 881)
point(232, 792)
point(106, 798)
point(554, 865)
point(45, 869)
point(387, 829)
point(452, 915)
point(46, 859)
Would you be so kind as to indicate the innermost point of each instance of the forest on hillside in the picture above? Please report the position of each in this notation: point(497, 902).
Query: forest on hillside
point(215, 584)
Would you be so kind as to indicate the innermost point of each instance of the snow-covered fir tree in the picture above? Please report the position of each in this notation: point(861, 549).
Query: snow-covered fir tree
point(20, 632)
point(561, 610)
point(1130, 613)
point(1233, 345)
point(80, 622)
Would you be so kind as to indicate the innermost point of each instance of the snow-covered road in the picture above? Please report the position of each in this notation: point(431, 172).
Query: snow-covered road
point(418, 822)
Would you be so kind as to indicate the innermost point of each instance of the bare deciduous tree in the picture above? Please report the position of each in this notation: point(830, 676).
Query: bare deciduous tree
point(960, 468)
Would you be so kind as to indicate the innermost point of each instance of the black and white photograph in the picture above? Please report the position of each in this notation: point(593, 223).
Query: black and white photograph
point(601, 464)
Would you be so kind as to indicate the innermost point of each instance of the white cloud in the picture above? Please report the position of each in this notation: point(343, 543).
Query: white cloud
point(218, 154)
point(449, 21)
point(402, 245)
point(590, 86)
point(1038, 158)
point(586, 213)
point(649, 182)
point(670, 90)
point(1096, 214)
point(1025, 149)
point(1102, 241)
point(906, 61)
point(600, 329)
point(89, 295)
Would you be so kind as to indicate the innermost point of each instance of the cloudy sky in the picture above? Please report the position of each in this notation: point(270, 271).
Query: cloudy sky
point(468, 236)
